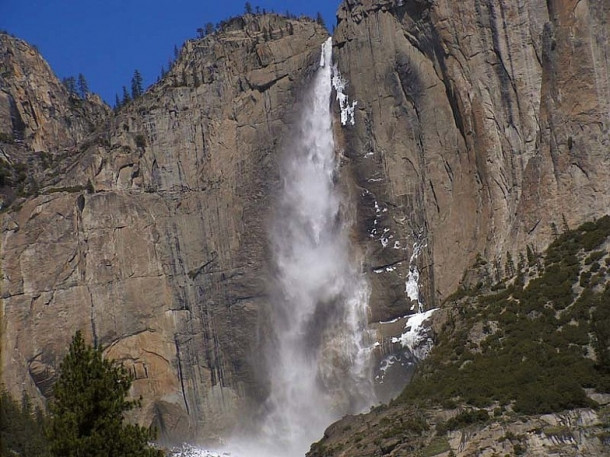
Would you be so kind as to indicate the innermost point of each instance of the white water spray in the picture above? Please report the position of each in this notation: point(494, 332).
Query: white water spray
point(320, 365)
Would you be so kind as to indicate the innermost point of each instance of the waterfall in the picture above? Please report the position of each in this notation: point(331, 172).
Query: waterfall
point(319, 360)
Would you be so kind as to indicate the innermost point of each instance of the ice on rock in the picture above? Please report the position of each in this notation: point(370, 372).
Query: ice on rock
point(412, 284)
point(415, 337)
point(347, 109)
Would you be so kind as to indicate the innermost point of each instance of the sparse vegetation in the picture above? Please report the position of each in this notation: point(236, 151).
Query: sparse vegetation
point(536, 361)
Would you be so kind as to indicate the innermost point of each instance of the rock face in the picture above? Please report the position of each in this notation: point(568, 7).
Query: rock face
point(397, 432)
point(35, 108)
point(162, 260)
point(481, 127)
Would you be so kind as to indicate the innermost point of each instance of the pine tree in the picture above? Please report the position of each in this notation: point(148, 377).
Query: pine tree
point(70, 84)
point(510, 265)
point(209, 28)
point(136, 85)
point(117, 102)
point(248, 8)
point(21, 428)
point(531, 257)
point(320, 19)
point(89, 400)
point(83, 87)
point(126, 97)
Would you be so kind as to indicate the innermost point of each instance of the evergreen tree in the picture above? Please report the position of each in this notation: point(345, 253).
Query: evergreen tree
point(209, 28)
point(531, 257)
point(509, 268)
point(126, 97)
point(83, 87)
point(320, 19)
point(70, 84)
point(248, 8)
point(21, 428)
point(117, 101)
point(136, 85)
point(89, 400)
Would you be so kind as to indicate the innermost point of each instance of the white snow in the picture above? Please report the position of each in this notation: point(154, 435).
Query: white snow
point(414, 337)
point(412, 284)
point(347, 110)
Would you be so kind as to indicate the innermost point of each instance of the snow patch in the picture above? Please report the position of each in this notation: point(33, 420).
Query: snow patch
point(412, 284)
point(415, 337)
point(347, 109)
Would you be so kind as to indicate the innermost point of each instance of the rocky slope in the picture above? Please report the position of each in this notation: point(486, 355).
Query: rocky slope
point(152, 237)
point(520, 367)
point(480, 126)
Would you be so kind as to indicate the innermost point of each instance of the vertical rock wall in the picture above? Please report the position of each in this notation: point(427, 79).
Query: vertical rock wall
point(164, 262)
point(481, 125)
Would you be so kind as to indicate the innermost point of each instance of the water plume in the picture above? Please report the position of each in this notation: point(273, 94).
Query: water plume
point(320, 359)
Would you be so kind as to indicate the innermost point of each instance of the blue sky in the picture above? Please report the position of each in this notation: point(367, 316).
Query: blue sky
point(107, 40)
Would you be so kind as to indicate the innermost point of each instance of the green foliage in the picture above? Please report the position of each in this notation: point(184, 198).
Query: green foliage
point(21, 429)
point(539, 359)
point(6, 138)
point(136, 85)
point(140, 141)
point(83, 87)
point(464, 419)
point(126, 97)
point(88, 406)
point(438, 445)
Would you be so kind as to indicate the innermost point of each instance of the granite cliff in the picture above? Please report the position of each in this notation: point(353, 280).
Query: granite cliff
point(151, 235)
point(481, 128)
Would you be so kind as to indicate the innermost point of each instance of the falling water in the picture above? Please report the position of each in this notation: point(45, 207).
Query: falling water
point(319, 362)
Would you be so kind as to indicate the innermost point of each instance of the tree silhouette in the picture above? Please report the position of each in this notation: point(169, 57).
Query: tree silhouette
point(83, 87)
point(248, 8)
point(70, 84)
point(320, 19)
point(89, 400)
point(126, 98)
point(136, 85)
